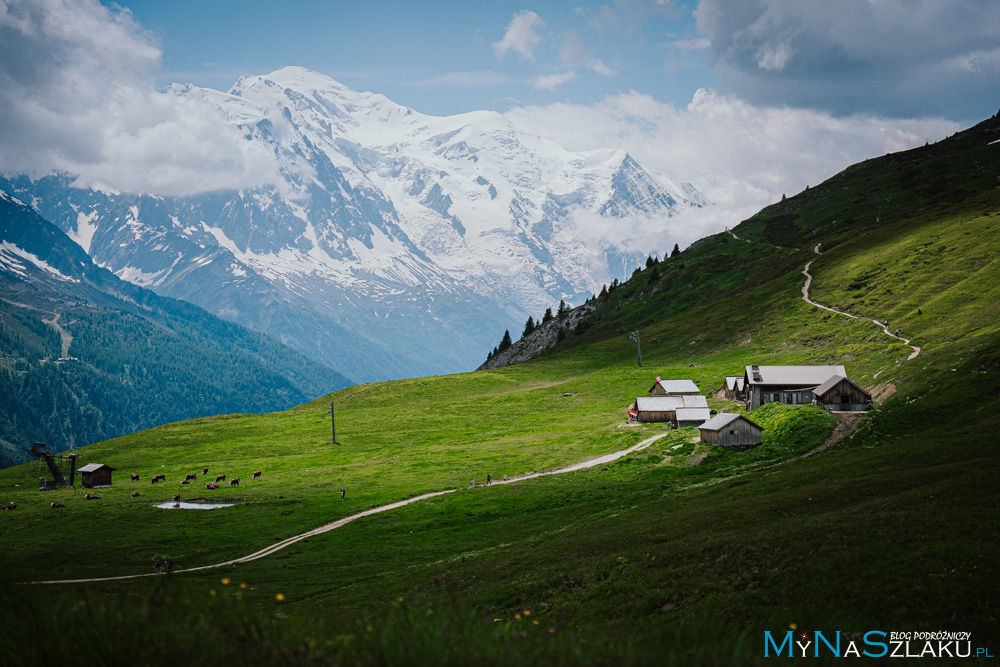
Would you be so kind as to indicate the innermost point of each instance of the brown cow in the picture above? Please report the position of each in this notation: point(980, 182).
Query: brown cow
point(187, 481)
point(192, 475)
point(91, 496)
point(211, 485)
point(177, 498)
point(134, 476)
point(57, 505)
point(9, 506)
point(220, 478)
point(154, 480)
point(256, 475)
point(204, 472)
point(235, 481)
point(135, 494)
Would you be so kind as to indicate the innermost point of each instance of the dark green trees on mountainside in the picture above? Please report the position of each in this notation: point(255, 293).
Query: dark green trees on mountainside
point(85, 356)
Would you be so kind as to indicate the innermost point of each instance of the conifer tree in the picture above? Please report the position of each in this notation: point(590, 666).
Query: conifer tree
point(529, 326)
point(547, 317)
point(604, 292)
point(505, 342)
point(649, 261)
point(676, 251)
point(563, 309)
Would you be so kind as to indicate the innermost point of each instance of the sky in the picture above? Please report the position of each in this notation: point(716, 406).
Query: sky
point(747, 99)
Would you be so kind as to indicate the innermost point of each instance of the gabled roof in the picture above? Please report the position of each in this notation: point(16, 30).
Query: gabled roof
point(677, 386)
point(720, 421)
point(833, 382)
point(670, 403)
point(795, 376)
point(693, 414)
point(91, 467)
point(735, 382)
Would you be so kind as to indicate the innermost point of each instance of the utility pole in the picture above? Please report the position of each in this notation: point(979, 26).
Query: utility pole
point(638, 351)
point(877, 209)
point(333, 422)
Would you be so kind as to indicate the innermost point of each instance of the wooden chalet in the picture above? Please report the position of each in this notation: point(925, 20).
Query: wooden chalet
point(793, 385)
point(673, 388)
point(732, 431)
point(94, 475)
point(841, 395)
point(735, 387)
point(651, 409)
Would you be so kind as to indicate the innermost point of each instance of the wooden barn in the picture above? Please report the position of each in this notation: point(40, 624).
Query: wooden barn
point(94, 475)
point(732, 431)
point(841, 395)
point(735, 387)
point(793, 385)
point(651, 409)
point(673, 388)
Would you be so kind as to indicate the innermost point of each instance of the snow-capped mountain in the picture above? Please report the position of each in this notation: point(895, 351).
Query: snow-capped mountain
point(396, 244)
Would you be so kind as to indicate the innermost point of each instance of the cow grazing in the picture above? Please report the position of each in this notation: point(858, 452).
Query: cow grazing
point(154, 480)
point(187, 481)
point(235, 481)
point(57, 505)
point(134, 476)
point(9, 506)
point(220, 478)
point(135, 494)
point(91, 496)
point(204, 472)
point(177, 498)
point(256, 475)
point(192, 475)
point(212, 486)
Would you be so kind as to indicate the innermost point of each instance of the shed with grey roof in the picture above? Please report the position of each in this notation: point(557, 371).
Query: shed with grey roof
point(651, 409)
point(842, 395)
point(691, 416)
point(94, 475)
point(735, 387)
point(673, 388)
point(732, 431)
point(785, 384)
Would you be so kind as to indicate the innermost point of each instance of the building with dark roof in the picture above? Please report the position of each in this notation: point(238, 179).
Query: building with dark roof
point(94, 475)
point(842, 395)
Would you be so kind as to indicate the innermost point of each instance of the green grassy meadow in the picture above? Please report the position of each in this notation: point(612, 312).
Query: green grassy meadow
point(677, 552)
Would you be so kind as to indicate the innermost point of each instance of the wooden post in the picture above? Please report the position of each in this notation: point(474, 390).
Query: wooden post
point(638, 352)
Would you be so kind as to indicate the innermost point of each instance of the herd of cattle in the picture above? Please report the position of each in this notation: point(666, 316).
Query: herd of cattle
point(235, 481)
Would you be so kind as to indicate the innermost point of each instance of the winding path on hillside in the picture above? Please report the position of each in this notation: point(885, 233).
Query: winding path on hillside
point(881, 325)
point(278, 546)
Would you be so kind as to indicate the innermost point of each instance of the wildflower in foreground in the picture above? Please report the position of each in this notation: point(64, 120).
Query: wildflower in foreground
point(225, 581)
point(280, 597)
point(243, 585)
point(211, 591)
point(793, 626)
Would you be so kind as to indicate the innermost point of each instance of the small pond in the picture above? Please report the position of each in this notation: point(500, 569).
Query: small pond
point(192, 506)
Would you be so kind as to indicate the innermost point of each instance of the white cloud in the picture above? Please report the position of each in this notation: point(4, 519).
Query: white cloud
point(551, 81)
point(773, 56)
point(741, 156)
point(77, 96)
point(521, 36)
point(692, 44)
point(598, 66)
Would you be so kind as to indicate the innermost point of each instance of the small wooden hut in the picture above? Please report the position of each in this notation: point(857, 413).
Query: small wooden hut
point(842, 395)
point(94, 475)
point(664, 408)
point(691, 416)
point(735, 387)
point(673, 388)
point(732, 431)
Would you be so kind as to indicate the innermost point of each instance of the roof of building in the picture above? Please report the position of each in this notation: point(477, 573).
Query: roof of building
point(693, 414)
point(669, 403)
point(833, 382)
point(735, 382)
point(720, 421)
point(91, 467)
point(678, 386)
point(802, 376)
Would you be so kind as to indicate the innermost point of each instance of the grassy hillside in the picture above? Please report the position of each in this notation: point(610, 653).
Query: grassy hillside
point(677, 552)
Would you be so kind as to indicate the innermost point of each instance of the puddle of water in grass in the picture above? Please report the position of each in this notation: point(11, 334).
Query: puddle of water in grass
point(193, 506)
